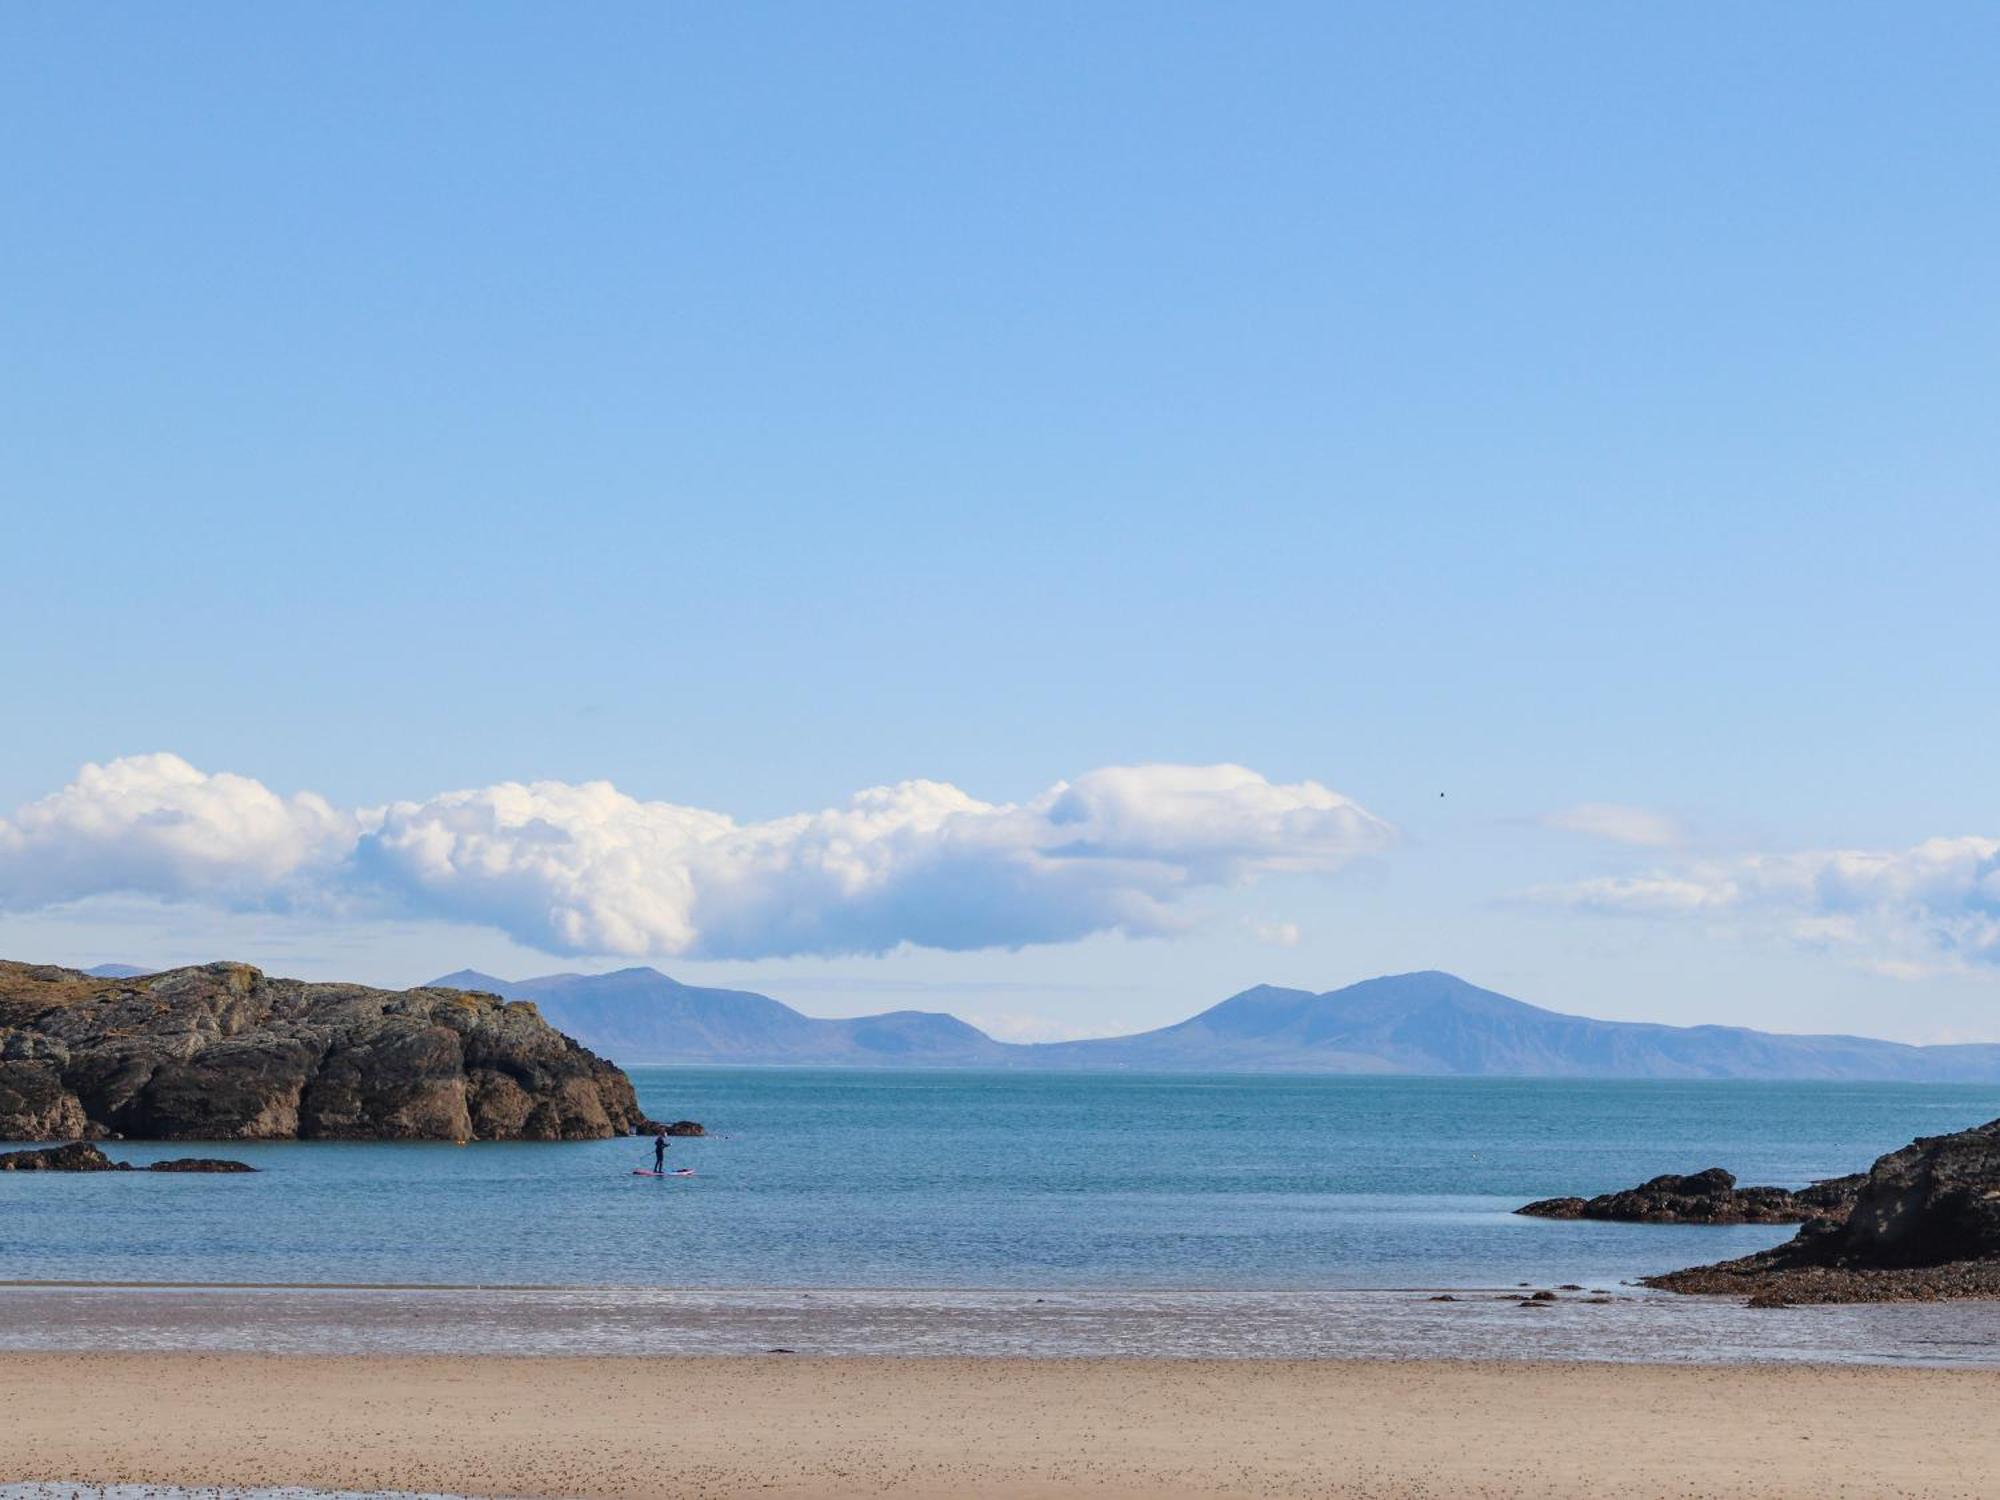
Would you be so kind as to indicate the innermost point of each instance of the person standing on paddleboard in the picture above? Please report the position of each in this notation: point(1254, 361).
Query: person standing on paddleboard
point(660, 1154)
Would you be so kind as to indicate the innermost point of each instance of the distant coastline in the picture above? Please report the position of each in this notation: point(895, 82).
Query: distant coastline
point(1426, 1023)
point(1423, 1024)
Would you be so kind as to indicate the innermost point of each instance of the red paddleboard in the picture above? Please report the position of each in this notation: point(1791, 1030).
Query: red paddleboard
point(677, 1172)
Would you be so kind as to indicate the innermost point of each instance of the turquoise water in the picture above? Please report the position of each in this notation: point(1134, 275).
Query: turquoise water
point(856, 1179)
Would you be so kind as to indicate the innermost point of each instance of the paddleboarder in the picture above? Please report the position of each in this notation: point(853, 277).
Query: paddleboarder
point(660, 1154)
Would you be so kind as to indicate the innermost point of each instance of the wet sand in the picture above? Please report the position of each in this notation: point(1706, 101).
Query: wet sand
point(1630, 1325)
point(1020, 1429)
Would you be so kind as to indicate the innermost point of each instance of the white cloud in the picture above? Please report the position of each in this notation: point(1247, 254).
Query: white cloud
point(590, 870)
point(1618, 823)
point(1899, 912)
point(587, 869)
point(153, 824)
point(1274, 934)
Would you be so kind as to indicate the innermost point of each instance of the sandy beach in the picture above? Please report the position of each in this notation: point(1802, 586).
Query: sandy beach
point(1020, 1429)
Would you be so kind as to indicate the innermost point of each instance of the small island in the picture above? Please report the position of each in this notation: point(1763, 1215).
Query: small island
point(224, 1052)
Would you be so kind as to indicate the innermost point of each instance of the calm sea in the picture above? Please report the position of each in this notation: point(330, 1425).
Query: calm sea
point(936, 1180)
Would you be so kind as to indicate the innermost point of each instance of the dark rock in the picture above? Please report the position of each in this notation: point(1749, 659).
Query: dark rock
point(1569, 1286)
point(685, 1127)
point(81, 1156)
point(34, 1105)
point(1924, 1225)
point(1710, 1197)
point(1444, 1297)
point(78, 1156)
point(1557, 1208)
point(200, 1164)
point(1833, 1198)
point(1543, 1297)
point(222, 1052)
point(1934, 1201)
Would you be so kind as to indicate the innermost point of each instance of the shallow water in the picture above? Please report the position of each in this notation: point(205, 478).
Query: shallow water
point(954, 1180)
point(1131, 1323)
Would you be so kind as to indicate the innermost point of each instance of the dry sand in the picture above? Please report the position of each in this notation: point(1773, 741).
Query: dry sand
point(782, 1426)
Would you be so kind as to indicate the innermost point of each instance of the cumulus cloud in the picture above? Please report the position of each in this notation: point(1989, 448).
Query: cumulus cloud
point(1617, 823)
point(1898, 911)
point(588, 869)
point(155, 825)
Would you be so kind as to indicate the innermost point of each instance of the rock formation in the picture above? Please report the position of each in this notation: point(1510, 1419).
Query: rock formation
point(199, 1164)
point(81, 1156)
point(1925, 1224)
point(77, 1156)
point(1710, 1197)
point(222, 1052)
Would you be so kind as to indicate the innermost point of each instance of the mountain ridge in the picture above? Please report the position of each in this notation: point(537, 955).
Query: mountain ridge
point(644, 1013)
point(1422, 1023)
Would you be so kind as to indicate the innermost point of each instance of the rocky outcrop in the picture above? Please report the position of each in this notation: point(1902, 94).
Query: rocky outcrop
point(1924, 1224)
point(200, 1164)
point(81, 1156)
point(685, 1127)
point(77, 1156)
point(1831, 1199)
point(223, 1052)
point(1710, 1197)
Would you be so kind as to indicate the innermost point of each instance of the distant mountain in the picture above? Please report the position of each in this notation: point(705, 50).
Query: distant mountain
point(642, 1016)
point(1436, 1023)
point(117, 971)
point(1424, 1023)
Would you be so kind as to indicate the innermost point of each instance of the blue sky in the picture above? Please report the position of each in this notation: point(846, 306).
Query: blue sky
point(1549, 406)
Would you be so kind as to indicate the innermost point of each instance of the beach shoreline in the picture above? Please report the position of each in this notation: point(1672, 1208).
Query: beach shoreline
point(1013, 1429)
point(1621, 1325)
